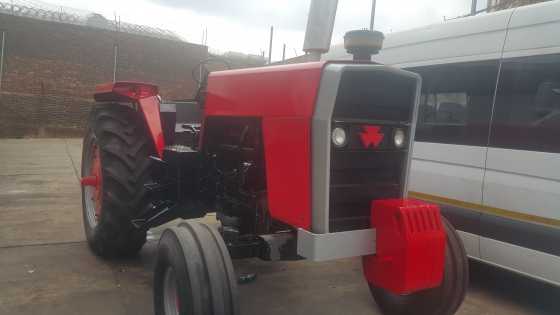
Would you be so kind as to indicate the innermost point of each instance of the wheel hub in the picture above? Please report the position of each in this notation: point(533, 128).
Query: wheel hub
point(94, 180)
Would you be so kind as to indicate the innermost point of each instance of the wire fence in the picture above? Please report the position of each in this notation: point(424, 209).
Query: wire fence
point(43, 11)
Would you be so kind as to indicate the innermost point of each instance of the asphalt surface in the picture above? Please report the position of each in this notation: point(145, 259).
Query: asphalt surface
point(47, 268)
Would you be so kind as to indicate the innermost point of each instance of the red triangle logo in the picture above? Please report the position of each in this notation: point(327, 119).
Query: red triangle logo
point(371, 135)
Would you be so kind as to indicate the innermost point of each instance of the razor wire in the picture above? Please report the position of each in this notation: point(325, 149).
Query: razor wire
point(43, 11)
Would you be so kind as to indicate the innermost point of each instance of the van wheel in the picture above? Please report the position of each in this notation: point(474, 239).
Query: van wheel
point(443, 300)
point(194, 273)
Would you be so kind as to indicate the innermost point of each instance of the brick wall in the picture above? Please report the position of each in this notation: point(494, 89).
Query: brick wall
point(51, 69)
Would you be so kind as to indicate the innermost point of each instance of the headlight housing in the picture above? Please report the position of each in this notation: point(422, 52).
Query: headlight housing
point(399, 138)
point(339, 137)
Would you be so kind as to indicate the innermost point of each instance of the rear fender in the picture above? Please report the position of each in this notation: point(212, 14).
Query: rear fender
point(145, 96)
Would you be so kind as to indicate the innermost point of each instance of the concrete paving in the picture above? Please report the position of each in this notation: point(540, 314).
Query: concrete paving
point(47, 268)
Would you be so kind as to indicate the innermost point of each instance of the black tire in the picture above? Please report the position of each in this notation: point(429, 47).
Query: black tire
point(443, 300)
point(203, 280)
point(124, 146)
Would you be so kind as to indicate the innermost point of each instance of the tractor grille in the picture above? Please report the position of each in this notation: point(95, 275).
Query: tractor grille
point(361, 172)
point(360, 175)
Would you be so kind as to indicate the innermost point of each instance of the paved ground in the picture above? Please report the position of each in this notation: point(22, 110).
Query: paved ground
point(46, 267)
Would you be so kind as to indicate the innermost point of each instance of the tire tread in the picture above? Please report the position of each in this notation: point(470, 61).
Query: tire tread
point(208, 271)
point(125, 147)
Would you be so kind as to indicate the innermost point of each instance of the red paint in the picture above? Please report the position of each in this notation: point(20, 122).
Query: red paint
point(89, 181)
point(284, 98)
point(371, 135)
point(287, 153)
point(123, 91)
point(410, 246)
point(145, 95)
point(276, 91)
point(150, 108)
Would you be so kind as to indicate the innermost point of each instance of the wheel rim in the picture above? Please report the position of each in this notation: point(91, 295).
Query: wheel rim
point(170, 293)
point(92, 182)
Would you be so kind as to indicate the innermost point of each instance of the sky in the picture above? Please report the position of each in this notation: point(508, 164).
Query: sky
point(244, 25)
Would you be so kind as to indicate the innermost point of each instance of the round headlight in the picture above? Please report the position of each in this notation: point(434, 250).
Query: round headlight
point(399, 138)
point(339, 138)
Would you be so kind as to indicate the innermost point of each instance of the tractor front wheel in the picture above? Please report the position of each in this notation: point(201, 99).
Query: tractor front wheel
point(443, 300)
point(115, 168)
point(193, 273)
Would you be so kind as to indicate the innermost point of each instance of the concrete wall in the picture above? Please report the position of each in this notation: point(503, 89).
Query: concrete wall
point(51, 69)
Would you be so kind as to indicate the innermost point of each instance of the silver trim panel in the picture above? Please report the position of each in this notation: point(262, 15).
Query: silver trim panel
point(330, 246)
point(525, 261)
point(321, 133)
point(321, 147)
point(412, 131)
point(471, 243)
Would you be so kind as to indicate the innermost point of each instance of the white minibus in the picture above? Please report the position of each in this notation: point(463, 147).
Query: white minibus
point(487, 146)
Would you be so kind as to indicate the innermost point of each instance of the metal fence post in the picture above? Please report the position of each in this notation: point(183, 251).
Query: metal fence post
point(270, 44)
point(115, 61)
point(2, 57)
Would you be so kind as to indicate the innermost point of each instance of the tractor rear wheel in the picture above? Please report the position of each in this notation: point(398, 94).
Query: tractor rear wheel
point(193, 273)
point(115, 167)
point(443, 300)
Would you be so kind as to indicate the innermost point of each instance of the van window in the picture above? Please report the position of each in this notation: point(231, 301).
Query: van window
point(456, 102)
point(527, 110)
point(444, 109)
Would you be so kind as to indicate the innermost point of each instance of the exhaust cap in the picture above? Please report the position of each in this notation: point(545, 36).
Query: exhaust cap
point(362, 44)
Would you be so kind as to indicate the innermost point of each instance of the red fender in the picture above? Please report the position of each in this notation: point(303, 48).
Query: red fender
point(146, 96)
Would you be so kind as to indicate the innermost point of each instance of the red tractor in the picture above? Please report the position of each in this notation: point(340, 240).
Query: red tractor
point(297, 161)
